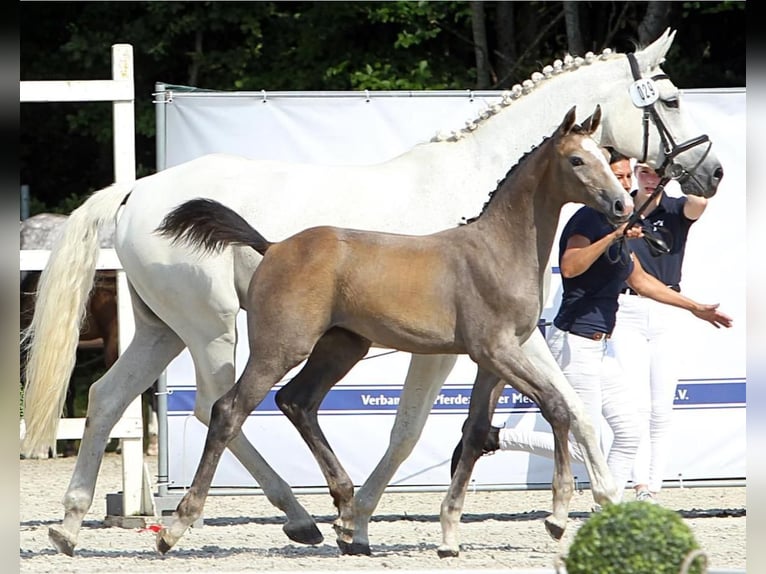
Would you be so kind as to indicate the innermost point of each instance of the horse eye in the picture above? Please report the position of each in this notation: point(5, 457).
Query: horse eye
point(672, 103)
point(576, 160)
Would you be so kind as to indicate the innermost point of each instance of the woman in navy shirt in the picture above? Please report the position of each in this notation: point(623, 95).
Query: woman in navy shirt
point(645, 335)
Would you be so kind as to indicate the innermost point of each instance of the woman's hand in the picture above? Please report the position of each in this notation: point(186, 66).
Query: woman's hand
point(631, 232)
point(712, 315)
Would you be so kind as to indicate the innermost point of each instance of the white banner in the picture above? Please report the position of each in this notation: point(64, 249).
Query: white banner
point(358, 128)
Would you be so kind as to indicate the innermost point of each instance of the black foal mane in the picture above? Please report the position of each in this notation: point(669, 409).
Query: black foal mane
point(575, 129)
point(501, 182)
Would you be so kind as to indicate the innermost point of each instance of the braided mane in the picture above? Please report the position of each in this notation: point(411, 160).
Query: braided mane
point(559, 66)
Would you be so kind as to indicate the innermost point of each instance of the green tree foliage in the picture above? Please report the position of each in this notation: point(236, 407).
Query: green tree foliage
point(66, 148)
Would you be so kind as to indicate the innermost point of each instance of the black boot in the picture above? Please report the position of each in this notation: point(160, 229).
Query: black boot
point(493, 441)
point(490, 445)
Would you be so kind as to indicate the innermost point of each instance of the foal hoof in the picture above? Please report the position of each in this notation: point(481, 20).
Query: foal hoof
point(61, 539)
point(353, 548)
point(162, 543)
point(555, 530)
point(303, 533)
point(446, 552)
point(343, 535)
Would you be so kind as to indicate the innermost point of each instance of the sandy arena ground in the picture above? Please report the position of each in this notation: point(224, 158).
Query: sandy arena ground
point(500, 530)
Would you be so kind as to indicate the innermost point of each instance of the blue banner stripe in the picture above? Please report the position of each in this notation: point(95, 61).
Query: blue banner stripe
point(456, 399)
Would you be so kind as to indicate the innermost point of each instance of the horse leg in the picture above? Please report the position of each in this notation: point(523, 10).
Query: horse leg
point(603, 487)
point(514, 366)
point(209, 288)
point(486, 389)
point(226, 419)
point(509, 363)
point(213, 356)
point(151, 350)
point(425, 378)
point(331, 359)
point(152, 424)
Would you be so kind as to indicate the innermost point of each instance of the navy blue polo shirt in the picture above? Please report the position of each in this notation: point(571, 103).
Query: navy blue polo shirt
point(589, 301)
point(668, 221)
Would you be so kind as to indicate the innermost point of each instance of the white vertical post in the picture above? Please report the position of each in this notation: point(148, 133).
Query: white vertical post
point(120, 90)
point(125, 172)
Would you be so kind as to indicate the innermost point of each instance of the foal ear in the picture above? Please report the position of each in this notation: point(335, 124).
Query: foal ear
point(592, 122)
point(569, 121)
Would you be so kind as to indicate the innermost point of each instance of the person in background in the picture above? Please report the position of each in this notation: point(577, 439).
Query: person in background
point(596, 264)
point(621, 168)
point(645, 335)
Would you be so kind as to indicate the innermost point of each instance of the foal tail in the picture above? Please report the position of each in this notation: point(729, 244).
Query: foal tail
point(210, 226)
point(62, 295)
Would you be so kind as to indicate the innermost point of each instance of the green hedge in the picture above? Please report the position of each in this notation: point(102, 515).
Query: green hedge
point(634, 538)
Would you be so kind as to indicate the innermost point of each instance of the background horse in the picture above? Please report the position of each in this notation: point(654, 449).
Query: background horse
point(100, 327)
point(431, 187)
point(327, 294)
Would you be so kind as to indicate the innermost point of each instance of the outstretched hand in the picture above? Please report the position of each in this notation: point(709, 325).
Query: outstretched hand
point(712, 315)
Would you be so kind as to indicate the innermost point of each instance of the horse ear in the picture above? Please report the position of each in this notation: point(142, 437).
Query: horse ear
point(654, 54)
point(592, 122)
point(569, 121)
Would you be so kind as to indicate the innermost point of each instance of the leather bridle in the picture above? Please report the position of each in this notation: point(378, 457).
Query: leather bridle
point(644, 95)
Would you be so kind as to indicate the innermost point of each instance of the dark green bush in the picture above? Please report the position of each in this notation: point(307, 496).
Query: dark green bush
point(633, 538)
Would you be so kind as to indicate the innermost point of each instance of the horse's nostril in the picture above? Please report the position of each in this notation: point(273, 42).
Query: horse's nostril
point(619, 207)
point(718, 173)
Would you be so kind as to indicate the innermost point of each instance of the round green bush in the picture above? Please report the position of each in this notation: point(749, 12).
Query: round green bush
point(633, 538)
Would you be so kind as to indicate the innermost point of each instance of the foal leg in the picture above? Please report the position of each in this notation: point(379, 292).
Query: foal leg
point(331, 359)
point(516, 368)
point(226, 419)
point(425, 378)
point(603, 487)
point(214, 366)
point(487, 387)
point(510, 364)
point(153, 347)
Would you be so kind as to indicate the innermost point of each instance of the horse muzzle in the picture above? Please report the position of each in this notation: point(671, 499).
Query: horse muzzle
point(619, 209)
point(702, 184)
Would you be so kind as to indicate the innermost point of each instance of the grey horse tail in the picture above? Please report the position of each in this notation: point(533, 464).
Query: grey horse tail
point(210, 226)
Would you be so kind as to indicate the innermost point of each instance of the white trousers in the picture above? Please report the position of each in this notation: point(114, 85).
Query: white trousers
point(644, 345)
point(593, 372)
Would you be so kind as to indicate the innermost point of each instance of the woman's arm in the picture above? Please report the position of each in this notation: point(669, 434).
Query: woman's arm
point(647, 285)
point(579, 253)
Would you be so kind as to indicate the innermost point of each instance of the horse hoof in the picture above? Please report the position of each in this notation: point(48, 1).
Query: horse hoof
point(343, 535)
point(555, 530)
point(446, 552)
point(303, 534)
point(62, 540)
point(162, 544)
point(353, 548)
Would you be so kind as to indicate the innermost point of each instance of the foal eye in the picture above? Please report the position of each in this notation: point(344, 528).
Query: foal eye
point(576, 160)
point(672, 103)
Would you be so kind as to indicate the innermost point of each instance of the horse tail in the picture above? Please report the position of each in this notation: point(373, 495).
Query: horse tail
point(62, 296)
point(210, 226)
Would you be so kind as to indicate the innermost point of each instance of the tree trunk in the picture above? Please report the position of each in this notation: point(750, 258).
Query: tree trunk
point(195, 58)
point(479, 28)
point(574, 35)
point(654, 22)
point(505, 25)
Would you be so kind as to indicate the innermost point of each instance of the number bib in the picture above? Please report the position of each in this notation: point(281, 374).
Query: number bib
point(643, 92)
